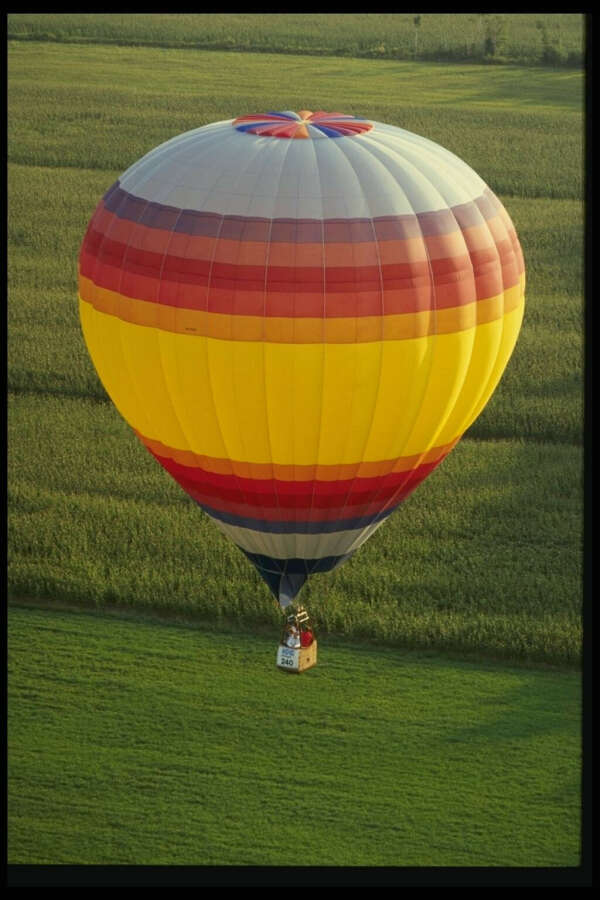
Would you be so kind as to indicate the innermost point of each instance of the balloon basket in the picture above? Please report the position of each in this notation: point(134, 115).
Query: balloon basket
point(297, 650)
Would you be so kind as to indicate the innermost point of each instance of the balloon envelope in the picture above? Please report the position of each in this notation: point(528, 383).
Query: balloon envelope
point(300, 314)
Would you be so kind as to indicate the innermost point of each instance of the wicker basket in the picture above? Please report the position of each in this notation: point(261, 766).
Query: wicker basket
point(291, 655)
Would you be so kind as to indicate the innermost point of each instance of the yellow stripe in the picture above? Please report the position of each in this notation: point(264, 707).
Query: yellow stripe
point(298, 404)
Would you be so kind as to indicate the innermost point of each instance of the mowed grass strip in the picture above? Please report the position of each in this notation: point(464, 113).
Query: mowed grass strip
point(515, 37)
point(101, 107)
point(142, 743)
point(482, 559)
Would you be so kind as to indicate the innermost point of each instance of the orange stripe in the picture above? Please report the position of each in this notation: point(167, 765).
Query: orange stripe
point(261, 471)
point(301, 330)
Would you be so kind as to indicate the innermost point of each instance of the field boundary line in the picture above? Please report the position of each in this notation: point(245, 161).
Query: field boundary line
point(232, 628)
point(224, 47)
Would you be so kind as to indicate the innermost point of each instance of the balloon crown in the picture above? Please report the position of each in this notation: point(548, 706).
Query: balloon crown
point(303, 124)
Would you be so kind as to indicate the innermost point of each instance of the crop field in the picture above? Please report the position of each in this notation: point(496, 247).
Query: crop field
point(483, 564)
point(529, 38)
point(485, 556)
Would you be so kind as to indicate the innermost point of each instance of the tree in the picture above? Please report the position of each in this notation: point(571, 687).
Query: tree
point(495, 35)
point(417, 24)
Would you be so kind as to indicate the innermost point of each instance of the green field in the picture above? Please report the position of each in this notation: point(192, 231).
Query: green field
point(132, 743)
point(553, 39)
point(486, 556)
point(147, 721)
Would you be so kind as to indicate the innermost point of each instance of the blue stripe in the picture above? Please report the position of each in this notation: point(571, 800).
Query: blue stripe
point(297, 527)
point(294, 566)
point(330, 132)
point(284, 588)
point(286, 577)
point(248, 126)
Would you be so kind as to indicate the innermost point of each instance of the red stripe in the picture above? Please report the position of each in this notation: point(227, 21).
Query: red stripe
point(133, 260)
point(195, 270)
point(293, 299)
point(283, 279)
point(342, 511)
point(260, 246)
point(411, 296)
point(288, 500)
point(279, 129)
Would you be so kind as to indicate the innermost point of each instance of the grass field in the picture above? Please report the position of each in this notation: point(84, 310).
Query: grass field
point(137, 743)
point(441, 726)
point(485, 557)
point(555, 38)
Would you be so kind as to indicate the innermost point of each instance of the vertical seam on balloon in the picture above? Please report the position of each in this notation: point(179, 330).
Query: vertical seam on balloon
point(442, 424)
point(271, 539)
point(285, 562)
point(436, 156)
point(95, 263)
point(477, 317)
point(297, 554)
point(269, 543)
point(157, 154)
point(311, 569)
point(477, 409)
point(350, 549)
point(467, 369)
point(340, 146)
point(157, 158)
point(392, 500)
point(158, 333)
point(228, 456)
point(267, 539)
point(160, 346)
point(380, 517)
point(205, 339)
point(320, 535)
point(369, 528)
point(120, 322)
point(120, 328)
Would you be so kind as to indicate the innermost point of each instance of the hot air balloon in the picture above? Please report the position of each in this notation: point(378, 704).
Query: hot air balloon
point(299, 314)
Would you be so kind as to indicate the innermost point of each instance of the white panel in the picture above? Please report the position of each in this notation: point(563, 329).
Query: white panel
point(386, 171)
point(293, 546)
point(455, 184)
